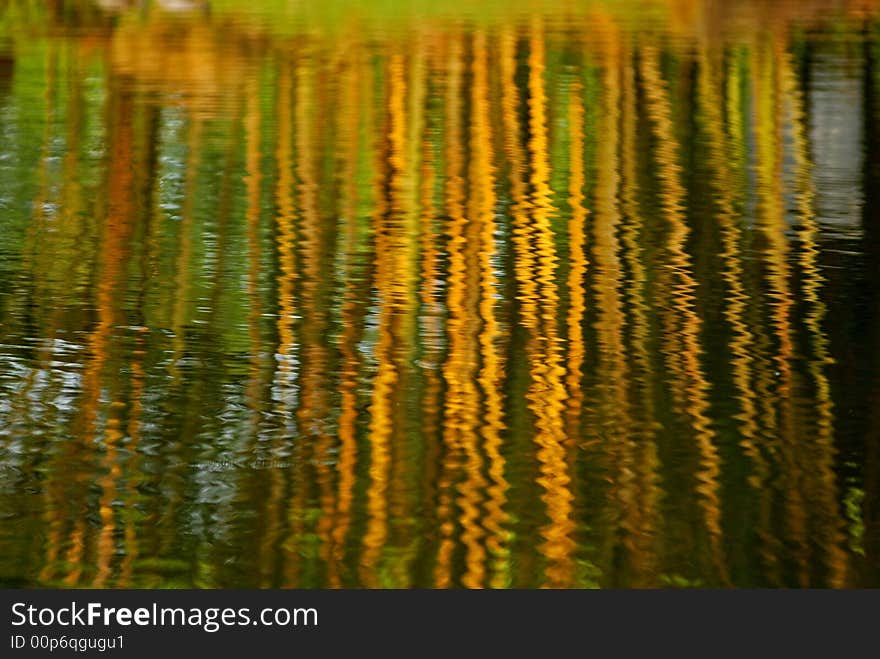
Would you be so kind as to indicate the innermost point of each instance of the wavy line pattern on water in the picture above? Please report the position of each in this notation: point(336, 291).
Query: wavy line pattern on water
point(547, 297)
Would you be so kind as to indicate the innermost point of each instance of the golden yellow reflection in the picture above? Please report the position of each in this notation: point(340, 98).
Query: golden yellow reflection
point(641, 519)
point(353, 86)
point(579, 262)
point(686, 364)
point(612, 415)
point(828, 525)
point(547, 391)
point(455, 367)
point(547, 298)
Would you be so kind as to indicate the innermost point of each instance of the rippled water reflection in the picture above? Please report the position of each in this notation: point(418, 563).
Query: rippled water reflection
point(530, 296)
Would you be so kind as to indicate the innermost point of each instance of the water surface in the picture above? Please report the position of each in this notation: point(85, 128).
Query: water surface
point(399, 294)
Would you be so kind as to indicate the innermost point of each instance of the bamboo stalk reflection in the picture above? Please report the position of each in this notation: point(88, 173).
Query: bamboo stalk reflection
point(529, 301)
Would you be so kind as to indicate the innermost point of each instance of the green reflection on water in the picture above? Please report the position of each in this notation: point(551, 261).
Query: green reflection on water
point(533, 296)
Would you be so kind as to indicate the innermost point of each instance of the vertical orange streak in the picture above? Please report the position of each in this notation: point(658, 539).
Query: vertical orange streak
point(255, 387)
point(114, 251)
point(723, 180)
point(754, 375)
point(547, 392)
point(308, 399)
point(642, 518)
point(319, 366)
point(828, 526)
point(74, 555)
point(313, 410)
point(772, 225)
point(612, 409)
point(68, 240)
point(579, 261)
point(432, 313)
point(453, 368)
point(286, 242)
point(285, 358)
point(347, 155)
point(482, 213)
point(105, 544)
point(115, 431)
point(523, 259)
point(253, 181)
point(522, 227)
point(354, 105)
point(473, 483)
point(380, 427)
point(407, 125)
point(687, 364)
point(477, 265)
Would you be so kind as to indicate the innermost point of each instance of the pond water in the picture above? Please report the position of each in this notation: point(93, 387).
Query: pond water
point(442, 294)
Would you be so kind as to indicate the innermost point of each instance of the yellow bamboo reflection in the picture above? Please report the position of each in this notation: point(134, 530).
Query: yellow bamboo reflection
point(686, 365)
point(389, 292)
point(309, 410)
point(117, 429)
point(526, 279)
point(407, 125)
point(286, 247)
point(117, 232)
point(71, 224)
point(347, 155)
point(520, 224)
point(482, 212)
point(768, 121)
point(413, 121)
point(74, 555)
point(314, 408)
point(579, 262)
point(726, 158)
point(828, 527)
point(455, 370)
point(110, 245)
point(642, 518)
point(465, 420)
point(105, 544)
point(356, 84)
point(522, 227)
point(478, 302)
point(253, 181)
point(547, 392)
point(432, 311)
point(178, 57)
point(742, 344)
point(613, 415)
point(754, 342)
point(254, 388)
point(285, 357)
point(732, 82)
point(460, 370)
